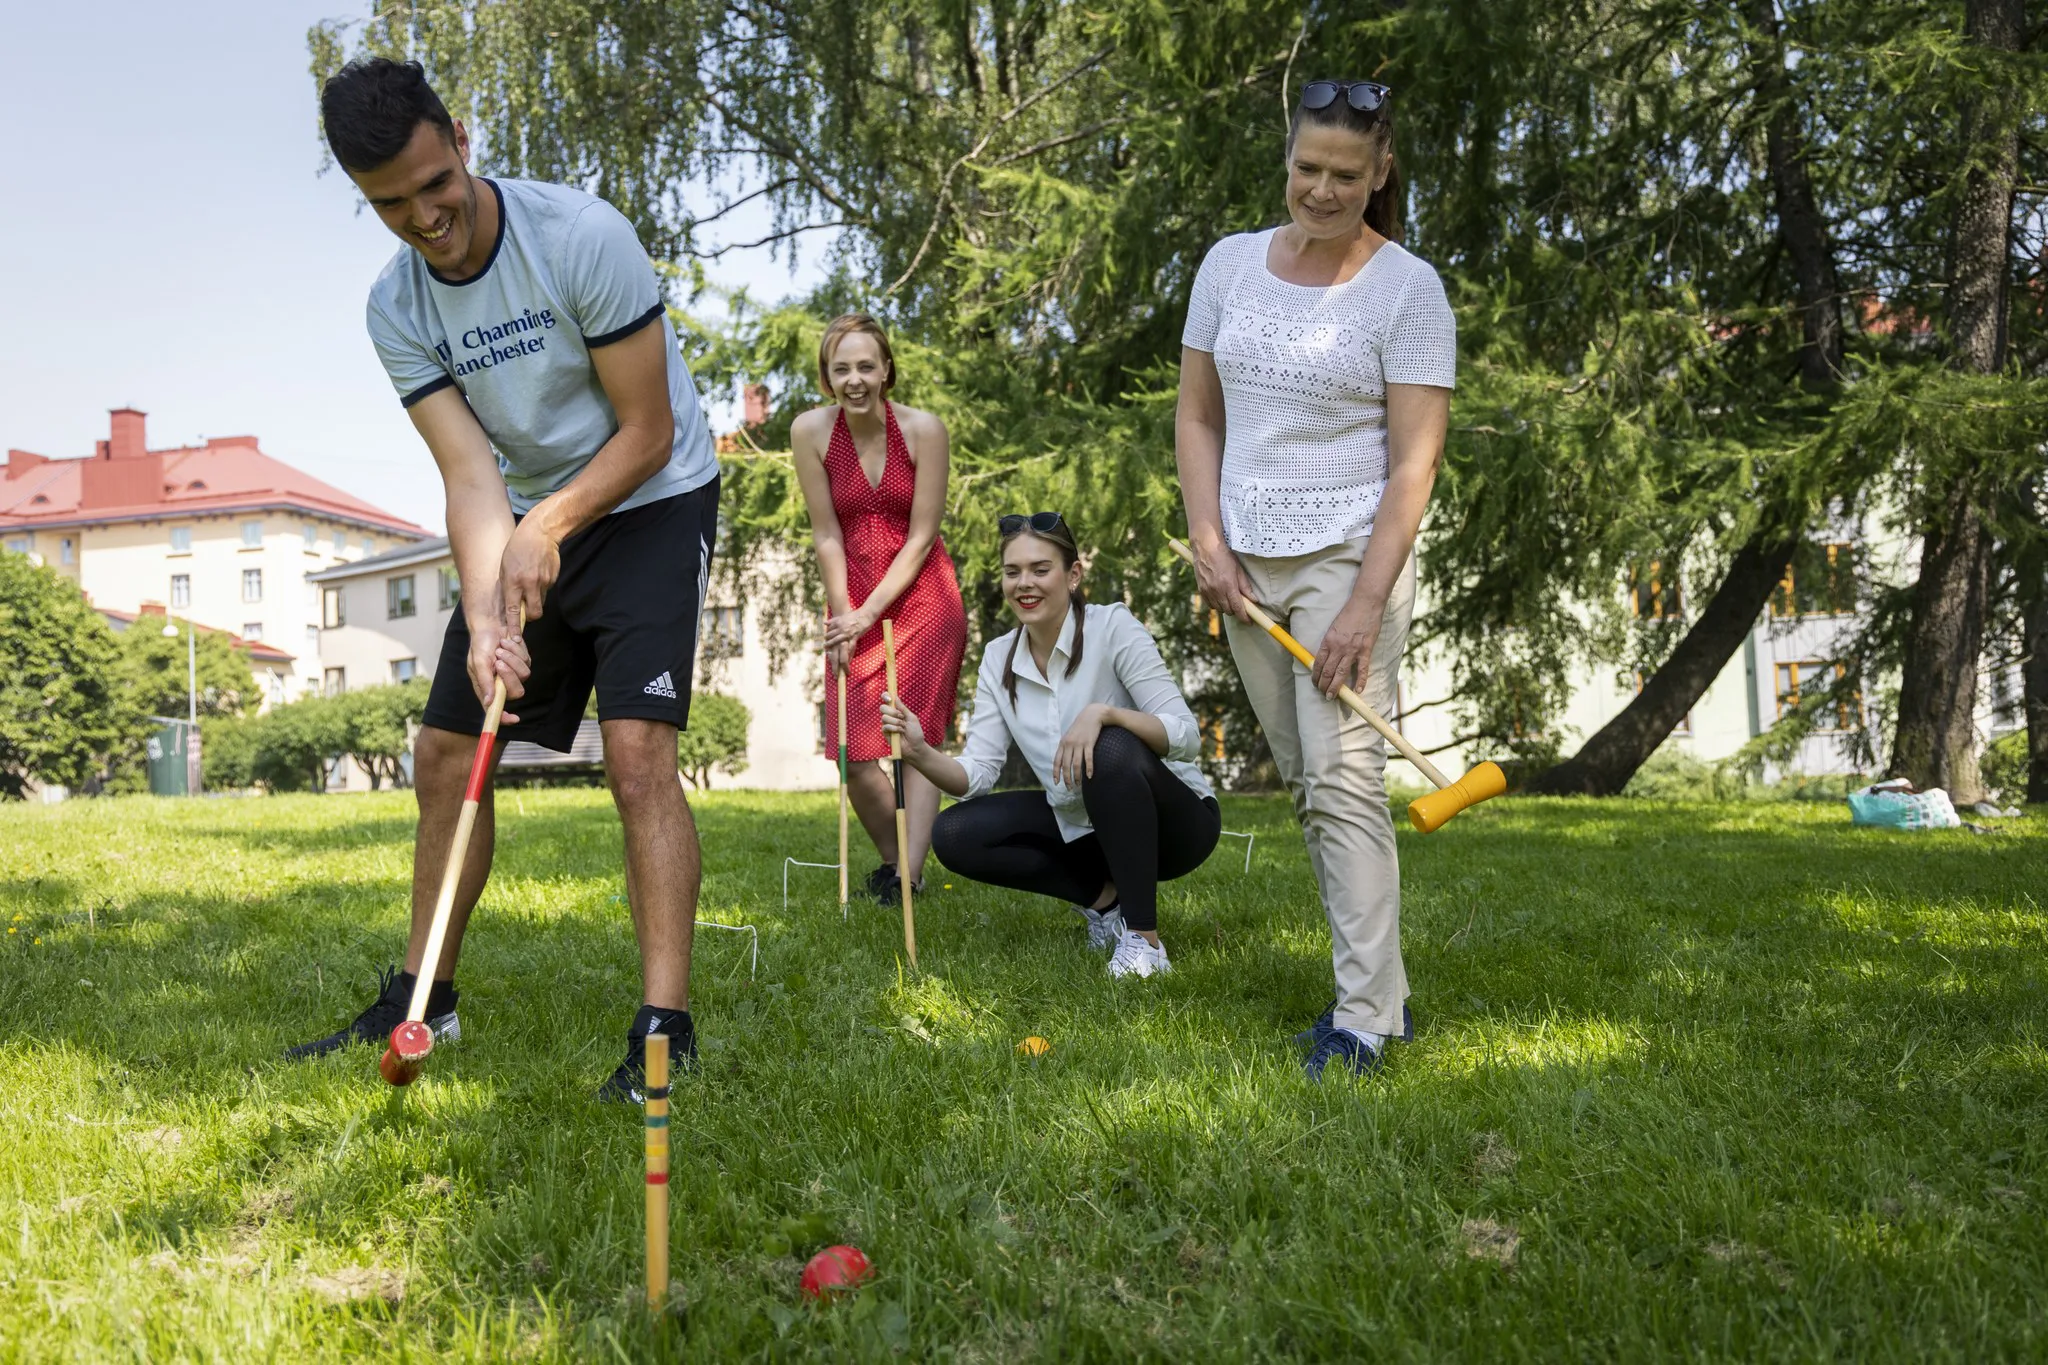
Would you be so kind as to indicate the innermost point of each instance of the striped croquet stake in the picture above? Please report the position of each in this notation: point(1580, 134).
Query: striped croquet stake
point(657, 1170)
point(842, 790)
point(903, 870)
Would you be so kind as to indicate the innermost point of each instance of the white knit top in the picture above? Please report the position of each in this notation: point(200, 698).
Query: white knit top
point(1305, 371)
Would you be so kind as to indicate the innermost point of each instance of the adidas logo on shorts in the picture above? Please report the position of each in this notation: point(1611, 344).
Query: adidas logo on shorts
point(663, 686)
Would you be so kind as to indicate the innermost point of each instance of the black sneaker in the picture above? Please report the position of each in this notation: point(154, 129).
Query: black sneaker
point(387, 1012)
point(628, 1083)
point(884, 886)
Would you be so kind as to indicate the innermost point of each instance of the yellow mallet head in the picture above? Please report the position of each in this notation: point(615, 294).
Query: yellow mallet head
point(1034, 1046)
point(1482, 783)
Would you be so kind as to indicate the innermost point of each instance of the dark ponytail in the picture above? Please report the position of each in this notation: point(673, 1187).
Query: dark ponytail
point(1383, 210)
point(1061, 538)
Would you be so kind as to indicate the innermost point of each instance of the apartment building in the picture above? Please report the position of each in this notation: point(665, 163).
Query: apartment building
point(220, 533)
point(382, 619)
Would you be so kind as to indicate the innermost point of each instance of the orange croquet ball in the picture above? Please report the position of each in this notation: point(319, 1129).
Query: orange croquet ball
point(834, 1270)
point(1034, 1046)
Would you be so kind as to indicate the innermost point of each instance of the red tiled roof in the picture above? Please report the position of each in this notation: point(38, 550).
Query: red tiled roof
point(130, 483)
point(258, 651)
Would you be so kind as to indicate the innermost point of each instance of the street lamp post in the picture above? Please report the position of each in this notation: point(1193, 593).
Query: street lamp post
point(191, 703)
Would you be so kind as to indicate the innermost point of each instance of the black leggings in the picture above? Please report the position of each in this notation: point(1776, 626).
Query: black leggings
point(1149, 827)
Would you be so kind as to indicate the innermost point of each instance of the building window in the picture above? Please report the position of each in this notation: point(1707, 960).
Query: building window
point(181, 590)
point(67, 551)
point(398, 596)
point(1653, 591)
point(725, 633)
point(181, 540)
point(313, 642)
point(1812, 677)
point(1821, 580)
point(19, 545)
point(252, 630)
point(404, 670)
point(312, 538)
point(368, 548)
point(252, 535)
point(276, 681)
point(451, 588)
point(333, 610)
point(334, 681)
point(252, 585)
point(340, 540)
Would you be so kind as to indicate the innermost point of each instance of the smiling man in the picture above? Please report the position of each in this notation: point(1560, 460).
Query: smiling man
point(523, 328)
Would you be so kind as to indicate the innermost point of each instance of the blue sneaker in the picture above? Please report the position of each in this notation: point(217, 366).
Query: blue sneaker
point(1342, 1045)
point(1328, 1020)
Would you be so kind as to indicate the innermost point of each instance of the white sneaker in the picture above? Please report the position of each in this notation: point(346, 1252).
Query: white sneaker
point(1136, 957)
point(1104, 926)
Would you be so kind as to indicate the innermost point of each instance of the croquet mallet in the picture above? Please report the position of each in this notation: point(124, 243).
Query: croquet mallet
point(412, 1040)
point(840, 673)
point(1426, 813)
point(657, 1170)
point(902, 822)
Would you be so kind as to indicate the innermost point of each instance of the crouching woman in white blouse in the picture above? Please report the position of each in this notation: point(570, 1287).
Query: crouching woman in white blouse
point(1083, 692)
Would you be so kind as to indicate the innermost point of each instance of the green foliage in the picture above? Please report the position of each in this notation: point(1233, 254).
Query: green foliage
point(154, 669)
point(64, 713)
point(2004, 766)
point(376, 725)
point(227, 752)
point(294, 744)
point(1671, 774)
point(716, 739)
point(1026, 187)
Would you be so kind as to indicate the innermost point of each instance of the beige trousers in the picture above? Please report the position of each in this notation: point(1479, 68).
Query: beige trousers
point(1332, 763)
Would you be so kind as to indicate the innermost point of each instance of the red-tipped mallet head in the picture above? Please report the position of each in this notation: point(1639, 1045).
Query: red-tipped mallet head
point(411, 1041)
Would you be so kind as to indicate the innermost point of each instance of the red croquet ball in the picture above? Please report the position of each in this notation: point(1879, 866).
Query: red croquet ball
point(834, 1269)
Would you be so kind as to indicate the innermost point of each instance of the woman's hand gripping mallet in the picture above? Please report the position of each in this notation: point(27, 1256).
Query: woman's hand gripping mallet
point(1425, 813)
point(412, 1040)
point(904, 875)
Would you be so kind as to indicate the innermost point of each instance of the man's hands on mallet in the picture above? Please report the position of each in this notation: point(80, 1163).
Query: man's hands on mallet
point(497, 649)
point(531, 564)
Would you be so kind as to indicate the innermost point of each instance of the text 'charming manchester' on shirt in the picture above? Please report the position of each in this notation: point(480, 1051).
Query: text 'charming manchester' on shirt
point(1305, 370)
point(567, 274)
point(1120, 666)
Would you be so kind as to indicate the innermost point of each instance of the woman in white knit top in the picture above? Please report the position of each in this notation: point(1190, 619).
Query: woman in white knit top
point(1316, 374)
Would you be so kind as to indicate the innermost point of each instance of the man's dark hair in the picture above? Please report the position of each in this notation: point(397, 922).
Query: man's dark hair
point(371, 107)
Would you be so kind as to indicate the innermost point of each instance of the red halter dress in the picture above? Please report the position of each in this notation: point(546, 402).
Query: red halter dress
point(931, 622)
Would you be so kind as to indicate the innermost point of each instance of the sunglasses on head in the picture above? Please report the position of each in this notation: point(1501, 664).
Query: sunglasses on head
point(1040, 522)
point(1364, 96)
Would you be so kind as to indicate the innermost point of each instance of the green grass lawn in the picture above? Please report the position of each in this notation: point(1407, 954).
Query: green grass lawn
point(1689, 1081)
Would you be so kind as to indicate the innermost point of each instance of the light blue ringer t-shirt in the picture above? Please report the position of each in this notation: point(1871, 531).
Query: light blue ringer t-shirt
point(567, 274)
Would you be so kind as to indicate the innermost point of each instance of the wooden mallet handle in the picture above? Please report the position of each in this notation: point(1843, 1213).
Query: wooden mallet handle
point(1428, 812)
point(657, 1170)
point(902, 824)
point(412, 1040)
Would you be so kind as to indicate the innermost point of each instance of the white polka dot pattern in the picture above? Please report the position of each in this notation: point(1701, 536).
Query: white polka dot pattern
point(1305, 371)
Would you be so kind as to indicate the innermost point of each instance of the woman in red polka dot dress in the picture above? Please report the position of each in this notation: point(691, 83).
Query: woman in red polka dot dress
point(874, 479)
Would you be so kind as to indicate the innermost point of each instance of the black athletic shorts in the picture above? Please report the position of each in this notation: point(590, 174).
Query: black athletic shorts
point(622, 616)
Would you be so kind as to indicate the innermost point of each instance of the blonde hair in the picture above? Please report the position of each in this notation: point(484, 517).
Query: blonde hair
point(844, 326)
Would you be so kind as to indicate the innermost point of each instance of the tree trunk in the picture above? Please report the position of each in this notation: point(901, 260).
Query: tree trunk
point(1935, 743)
point(1604, 763)
point(2034, 687)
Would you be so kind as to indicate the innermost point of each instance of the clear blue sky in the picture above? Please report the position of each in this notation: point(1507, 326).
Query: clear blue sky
point(168, 241)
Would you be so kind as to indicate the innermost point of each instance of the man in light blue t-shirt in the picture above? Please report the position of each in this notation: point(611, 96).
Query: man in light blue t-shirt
point(523, 329)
